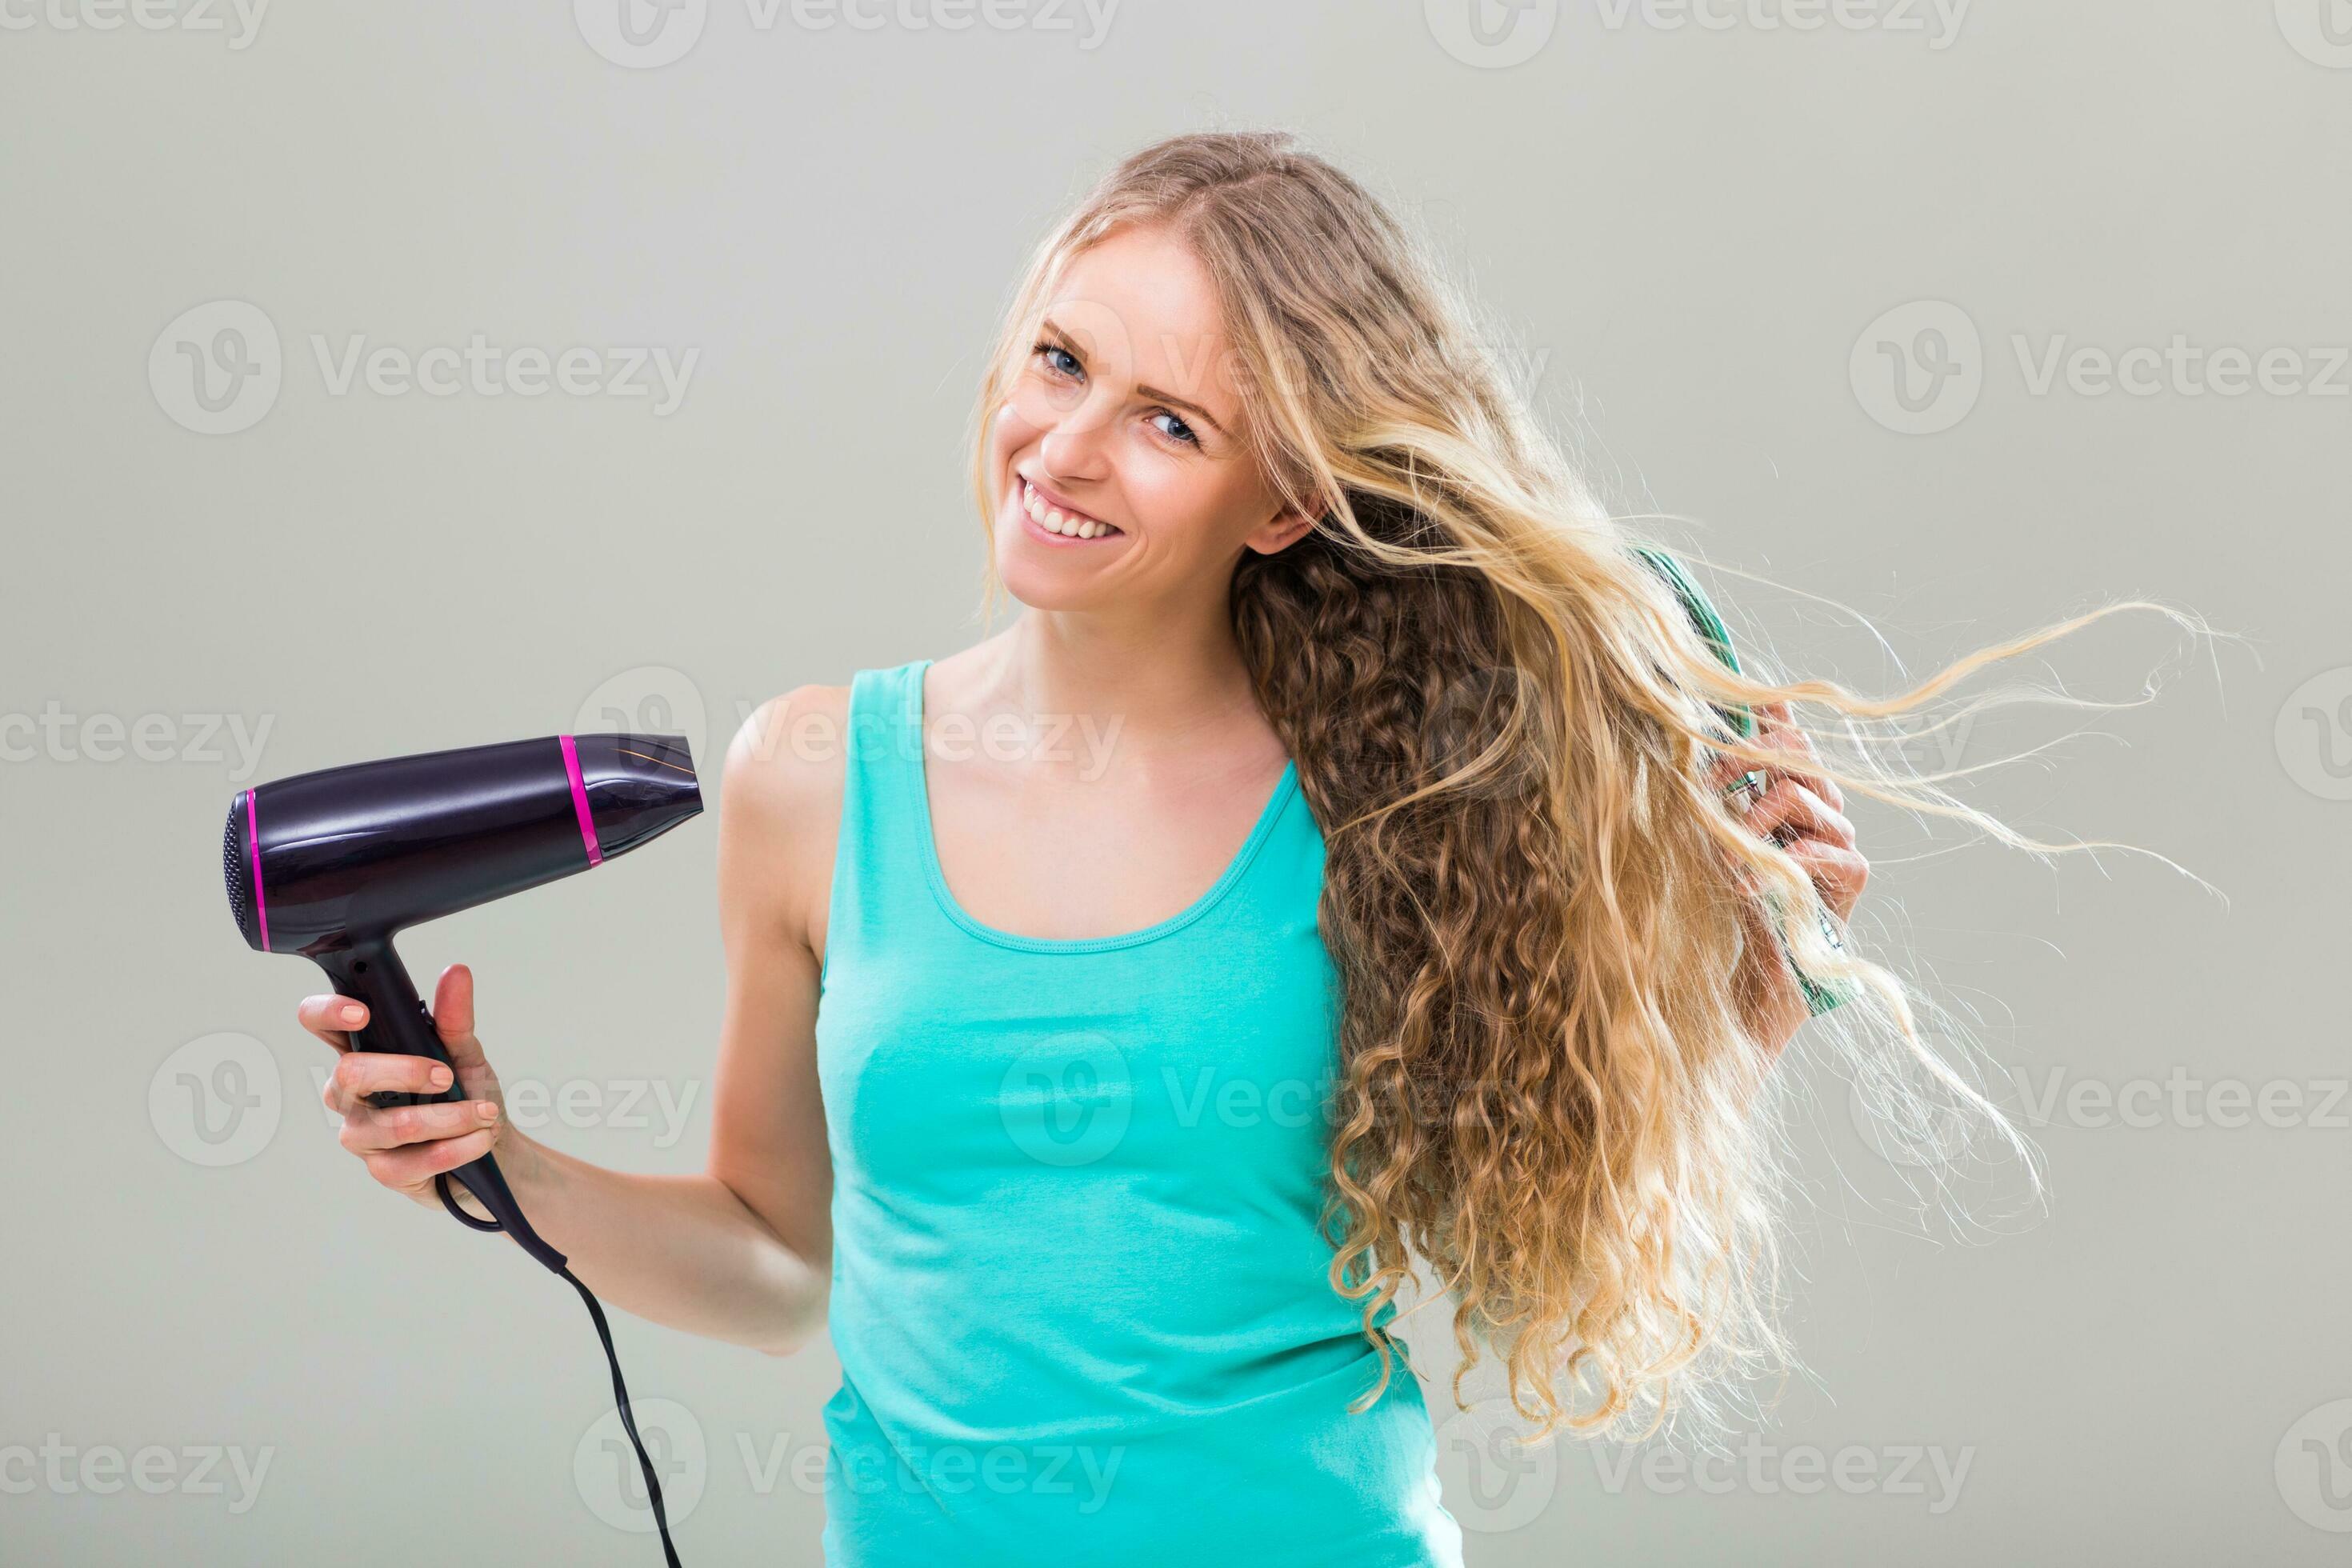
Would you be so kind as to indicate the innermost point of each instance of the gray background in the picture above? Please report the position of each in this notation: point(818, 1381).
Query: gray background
point(1689, 231)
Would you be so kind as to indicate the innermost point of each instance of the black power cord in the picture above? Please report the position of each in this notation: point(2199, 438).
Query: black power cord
point(441, 1185)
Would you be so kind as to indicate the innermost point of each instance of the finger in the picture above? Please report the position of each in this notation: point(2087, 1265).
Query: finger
point(453, 1018)
point(1781, 734)
point(1802, 765)
point(1789, 811)
point(422, 1161)
point(363, 1073)
point(332, 1018)
point(1737, 781)
point(369, 1131)
point(1726, 768)
point(1838, 874)
point(453, 1004)
point(1791, 814)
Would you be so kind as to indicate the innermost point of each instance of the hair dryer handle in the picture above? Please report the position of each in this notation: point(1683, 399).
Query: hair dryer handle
point(398, 1024)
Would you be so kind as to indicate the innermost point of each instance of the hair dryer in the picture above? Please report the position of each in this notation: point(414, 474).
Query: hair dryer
point(333, 865)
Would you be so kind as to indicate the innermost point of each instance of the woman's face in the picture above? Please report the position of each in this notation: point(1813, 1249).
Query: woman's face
point(1121, 468)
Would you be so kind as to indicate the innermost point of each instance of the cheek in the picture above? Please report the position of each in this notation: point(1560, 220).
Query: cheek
point(1013, 431)
point(1033, 405)
point(1189, 502)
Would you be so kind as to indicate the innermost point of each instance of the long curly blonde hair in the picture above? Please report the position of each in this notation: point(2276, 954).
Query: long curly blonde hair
point(1539, 906)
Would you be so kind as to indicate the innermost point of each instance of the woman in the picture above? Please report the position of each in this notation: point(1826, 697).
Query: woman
point(1347, 853)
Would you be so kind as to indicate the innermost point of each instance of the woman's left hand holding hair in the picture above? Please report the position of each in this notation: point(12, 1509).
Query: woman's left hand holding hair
point(1802, 813)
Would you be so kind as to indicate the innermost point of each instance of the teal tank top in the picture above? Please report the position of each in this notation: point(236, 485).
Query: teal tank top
point(1079, 1295)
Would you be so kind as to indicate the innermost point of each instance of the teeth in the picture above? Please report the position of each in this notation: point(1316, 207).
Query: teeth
point(1053, 520)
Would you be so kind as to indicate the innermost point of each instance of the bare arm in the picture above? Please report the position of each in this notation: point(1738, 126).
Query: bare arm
point(743, 1251)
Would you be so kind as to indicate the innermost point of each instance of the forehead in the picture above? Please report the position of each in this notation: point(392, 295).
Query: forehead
point(1144, 309)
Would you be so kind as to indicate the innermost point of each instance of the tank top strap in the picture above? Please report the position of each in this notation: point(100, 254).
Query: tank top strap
point(879, 894)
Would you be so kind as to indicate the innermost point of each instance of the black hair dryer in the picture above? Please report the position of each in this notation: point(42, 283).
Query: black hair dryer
point(332, 865)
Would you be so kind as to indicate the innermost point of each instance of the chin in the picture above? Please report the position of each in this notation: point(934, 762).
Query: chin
point(1045, 584)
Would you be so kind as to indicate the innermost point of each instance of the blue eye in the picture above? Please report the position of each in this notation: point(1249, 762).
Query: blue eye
point(1059, 360)
point(1175, 429)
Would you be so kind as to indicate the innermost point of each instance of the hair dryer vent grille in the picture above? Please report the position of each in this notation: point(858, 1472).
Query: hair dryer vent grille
point(235, 870)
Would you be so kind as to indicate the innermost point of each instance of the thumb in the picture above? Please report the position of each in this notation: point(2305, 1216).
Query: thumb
point(453, 1018)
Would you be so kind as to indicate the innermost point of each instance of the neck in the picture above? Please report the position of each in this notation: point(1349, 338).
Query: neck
point(1164, 681)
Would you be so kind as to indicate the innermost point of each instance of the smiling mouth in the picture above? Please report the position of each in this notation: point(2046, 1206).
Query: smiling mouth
point(1067, 522)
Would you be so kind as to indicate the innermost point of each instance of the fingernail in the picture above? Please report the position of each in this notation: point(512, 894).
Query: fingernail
point(440, 1078)
point(350, 1013)
point(487, 1112)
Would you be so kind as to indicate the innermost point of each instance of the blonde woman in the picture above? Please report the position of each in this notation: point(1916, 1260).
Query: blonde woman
point(1346, 860)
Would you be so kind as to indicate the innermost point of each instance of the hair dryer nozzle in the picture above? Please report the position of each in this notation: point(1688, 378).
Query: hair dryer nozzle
point(637, 787)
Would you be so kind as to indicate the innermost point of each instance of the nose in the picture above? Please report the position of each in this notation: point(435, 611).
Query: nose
point(1074, 445)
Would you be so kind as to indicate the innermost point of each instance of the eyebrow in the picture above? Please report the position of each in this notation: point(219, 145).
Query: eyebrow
point(1070, 344)
point(1205, 417)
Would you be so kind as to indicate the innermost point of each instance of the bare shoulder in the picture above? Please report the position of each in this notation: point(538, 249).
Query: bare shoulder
point(790, 749)
point(781, 810)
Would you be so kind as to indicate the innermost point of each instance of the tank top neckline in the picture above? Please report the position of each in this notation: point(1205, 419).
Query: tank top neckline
point(912, 717)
